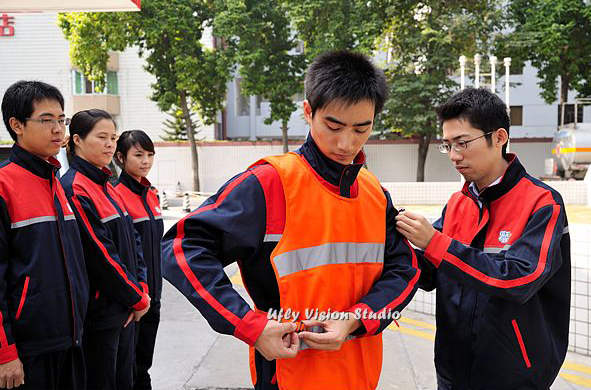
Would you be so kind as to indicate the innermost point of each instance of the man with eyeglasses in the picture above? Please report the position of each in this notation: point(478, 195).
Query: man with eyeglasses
point(43, 280)
point(499, 257)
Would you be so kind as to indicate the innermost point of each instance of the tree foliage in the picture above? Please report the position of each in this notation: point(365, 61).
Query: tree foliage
point(338, 24)
point(168, 34)
point(424, 41)
point(175, 127)
point(269, 66)
point(555, 35)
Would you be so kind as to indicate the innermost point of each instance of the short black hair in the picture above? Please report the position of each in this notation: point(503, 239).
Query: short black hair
point(483, 109)
point(345, 77)
point(130, 138)
point(83, 122)
point(19, 98)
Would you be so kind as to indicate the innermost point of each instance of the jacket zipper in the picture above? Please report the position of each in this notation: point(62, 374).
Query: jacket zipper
point(54, 195)
point(144, 198)
point(521, 343)
point(23, 298)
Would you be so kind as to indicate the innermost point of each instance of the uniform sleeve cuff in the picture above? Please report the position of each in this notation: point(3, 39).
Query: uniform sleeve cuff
point(250, 327)
point(145, 288)
point(437, 248)
point(369, 326)
point(142, 304)
point(8, 354)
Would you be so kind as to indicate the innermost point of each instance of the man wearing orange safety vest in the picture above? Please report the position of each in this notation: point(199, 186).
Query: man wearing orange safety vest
point(314, 235)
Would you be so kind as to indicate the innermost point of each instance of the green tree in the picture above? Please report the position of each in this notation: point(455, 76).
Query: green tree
point(555, 35)
point(175, 127)
point(423, 42)
point(168, 34)
point(261, 33)
point(338, 24)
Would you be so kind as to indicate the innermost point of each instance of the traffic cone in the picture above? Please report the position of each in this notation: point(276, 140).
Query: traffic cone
point(186, 203)
point(164, 201)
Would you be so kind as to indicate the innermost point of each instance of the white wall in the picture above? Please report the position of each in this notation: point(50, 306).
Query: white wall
point(390, 162)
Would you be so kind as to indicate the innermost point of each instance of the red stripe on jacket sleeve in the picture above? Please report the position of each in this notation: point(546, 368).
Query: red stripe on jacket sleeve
point(411, 284)
point(250, 327)
point(542, 260)
point(8, 354)
point(104, 250)
point(3, 340)
point(371, 325)
point(179, 254)
point(437, 248)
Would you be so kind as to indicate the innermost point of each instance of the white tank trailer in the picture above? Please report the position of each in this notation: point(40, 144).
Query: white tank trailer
point(571, 150)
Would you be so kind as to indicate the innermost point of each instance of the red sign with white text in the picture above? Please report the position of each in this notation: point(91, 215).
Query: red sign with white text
point(6, 27)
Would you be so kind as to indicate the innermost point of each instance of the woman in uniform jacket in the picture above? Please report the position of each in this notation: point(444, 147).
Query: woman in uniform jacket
point(112, 249)
point(135, 156)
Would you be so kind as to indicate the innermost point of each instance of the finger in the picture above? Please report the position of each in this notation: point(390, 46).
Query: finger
point(313, 322)
point(293, 349)
point(315, 345)
point(406, 227)
point(2, 383)
point(10, 382)
point(128, 319)
point(288, 327)
point(295, 342)
point(322, 338)
point(411, 215)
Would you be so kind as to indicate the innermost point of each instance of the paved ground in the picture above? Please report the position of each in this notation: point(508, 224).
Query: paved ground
point(189, 355)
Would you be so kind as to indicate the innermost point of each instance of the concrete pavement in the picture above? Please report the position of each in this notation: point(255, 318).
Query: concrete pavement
point(189, 355)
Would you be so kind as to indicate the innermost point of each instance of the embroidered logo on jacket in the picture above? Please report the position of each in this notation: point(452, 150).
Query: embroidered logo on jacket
point(504, 236)
point(157, 209)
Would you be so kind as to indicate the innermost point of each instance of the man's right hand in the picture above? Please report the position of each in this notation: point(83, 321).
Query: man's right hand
point(12, 374)
point(278, 341)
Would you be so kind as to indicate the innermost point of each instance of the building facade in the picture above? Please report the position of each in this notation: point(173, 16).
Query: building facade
point(37, 50)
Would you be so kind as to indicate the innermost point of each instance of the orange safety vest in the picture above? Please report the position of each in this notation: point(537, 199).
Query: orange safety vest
point(330, 255)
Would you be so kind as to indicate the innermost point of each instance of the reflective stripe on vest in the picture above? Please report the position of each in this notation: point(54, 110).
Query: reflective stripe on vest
point(327, 254)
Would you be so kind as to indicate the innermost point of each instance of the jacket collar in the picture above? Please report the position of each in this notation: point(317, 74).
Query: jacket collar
point(513, 174)
point(137, 187)
point(339, 175)
point(99, 176)
point(33, 163)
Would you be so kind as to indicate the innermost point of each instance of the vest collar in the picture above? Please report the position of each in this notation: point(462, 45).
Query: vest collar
point(339, 175)
point(512, 175)
point(99, 176)
point(33, 163)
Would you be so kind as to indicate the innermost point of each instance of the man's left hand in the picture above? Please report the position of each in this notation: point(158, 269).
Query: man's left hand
point(415, 228)
point(335, 333)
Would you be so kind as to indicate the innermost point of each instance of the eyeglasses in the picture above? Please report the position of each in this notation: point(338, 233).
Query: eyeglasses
point(458, 146)
point(63, 122)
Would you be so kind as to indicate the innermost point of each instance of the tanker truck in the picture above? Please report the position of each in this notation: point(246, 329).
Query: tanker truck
point(571, 150)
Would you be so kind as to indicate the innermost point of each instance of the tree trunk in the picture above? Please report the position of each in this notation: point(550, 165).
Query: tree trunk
point(191, 137)
point(424, 141)
point(564, 84)
point(284, 136)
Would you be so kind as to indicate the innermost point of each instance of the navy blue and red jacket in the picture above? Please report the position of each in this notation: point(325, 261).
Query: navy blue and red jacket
point(43, 282)
point(112, 247)
point(143, 206)
point(502, 277)
point(243, 223)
